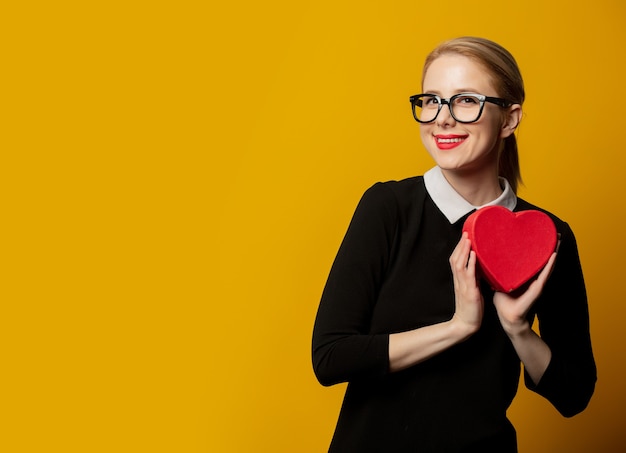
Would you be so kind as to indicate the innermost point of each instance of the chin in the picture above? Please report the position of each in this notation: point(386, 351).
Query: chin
point(450, 164)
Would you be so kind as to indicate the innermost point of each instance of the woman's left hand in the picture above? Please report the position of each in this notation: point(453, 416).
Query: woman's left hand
point(512, 308)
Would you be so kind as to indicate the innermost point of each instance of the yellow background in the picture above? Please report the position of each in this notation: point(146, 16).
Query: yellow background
point(177, 177)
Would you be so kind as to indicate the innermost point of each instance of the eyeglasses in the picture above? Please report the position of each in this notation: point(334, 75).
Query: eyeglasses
point(464, 107)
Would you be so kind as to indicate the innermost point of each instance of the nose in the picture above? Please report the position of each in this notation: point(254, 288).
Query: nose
point(445, 117)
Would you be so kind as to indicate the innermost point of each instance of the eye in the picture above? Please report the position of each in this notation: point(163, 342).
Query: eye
point(467, 101)
point(430, 100)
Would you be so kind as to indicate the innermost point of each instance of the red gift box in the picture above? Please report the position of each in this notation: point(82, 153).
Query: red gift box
point(511, 247)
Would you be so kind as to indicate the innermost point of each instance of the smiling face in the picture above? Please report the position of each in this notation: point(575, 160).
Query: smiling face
point(465, 147)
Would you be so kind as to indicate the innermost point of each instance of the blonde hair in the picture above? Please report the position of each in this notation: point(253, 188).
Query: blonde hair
point(506, 78)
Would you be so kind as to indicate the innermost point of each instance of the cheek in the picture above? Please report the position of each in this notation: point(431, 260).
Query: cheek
point(492, 129)
point(425, 132)
point(493, 140)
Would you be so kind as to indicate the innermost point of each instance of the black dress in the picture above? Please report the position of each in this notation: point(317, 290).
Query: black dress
point(392, 274)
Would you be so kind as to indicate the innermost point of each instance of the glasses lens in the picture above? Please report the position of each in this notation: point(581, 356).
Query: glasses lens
point(426, 107)
point(465, 107)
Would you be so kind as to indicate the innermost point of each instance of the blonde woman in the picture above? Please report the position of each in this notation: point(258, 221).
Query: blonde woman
point(432, 355)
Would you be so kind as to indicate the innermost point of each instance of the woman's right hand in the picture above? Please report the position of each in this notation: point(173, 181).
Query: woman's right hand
point(469, 304)
point(414, 346)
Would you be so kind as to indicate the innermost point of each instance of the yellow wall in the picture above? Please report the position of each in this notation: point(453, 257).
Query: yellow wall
point(177, 177)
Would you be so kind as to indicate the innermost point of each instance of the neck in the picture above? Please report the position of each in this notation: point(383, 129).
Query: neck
point(477, 188)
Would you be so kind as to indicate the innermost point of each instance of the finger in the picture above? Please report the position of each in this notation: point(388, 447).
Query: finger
point(548, 268)
point(458, 263)
point(471, 265)
point(459, 246)
point(536, 287)
point(458, 259)
point(466, 247)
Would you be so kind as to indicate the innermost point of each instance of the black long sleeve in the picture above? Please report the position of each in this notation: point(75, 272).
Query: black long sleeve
point(343, 348)
point(569, 381)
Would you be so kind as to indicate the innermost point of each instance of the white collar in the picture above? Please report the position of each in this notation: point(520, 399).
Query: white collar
point(452, 204)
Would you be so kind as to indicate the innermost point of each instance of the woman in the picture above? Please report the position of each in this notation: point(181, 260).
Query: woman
point(431, 354)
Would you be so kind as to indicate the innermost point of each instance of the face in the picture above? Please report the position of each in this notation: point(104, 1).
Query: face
point(465, 147)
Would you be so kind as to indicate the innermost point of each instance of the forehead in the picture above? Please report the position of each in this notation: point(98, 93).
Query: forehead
point(451, 73)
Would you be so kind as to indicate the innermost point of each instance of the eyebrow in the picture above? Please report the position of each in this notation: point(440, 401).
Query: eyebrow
point(462, 90)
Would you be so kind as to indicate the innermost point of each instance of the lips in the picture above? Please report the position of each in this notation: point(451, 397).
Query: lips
point(449, 141)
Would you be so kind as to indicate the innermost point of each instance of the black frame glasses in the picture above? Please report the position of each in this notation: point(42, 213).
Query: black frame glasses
point(417, 101)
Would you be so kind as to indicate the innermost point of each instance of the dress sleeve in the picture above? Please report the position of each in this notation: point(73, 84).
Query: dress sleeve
point(563, 315)
point(342, 349)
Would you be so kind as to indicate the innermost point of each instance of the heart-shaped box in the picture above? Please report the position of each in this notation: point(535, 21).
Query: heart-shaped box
point(511, 247)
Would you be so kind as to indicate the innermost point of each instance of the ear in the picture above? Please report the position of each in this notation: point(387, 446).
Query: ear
point(512, 117)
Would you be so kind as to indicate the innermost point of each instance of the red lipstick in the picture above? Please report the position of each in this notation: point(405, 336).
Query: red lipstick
point(449, 141)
